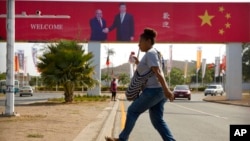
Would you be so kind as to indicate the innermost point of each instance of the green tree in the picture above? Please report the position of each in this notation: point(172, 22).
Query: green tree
point(124, 79)
point(176, 77)
point(209, 76)
point(2, 76)
point(246, 62)
point(106, 78)
point(66, 64)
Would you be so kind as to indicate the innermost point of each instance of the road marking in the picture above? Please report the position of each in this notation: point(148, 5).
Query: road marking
point(123, 114)
point(199, 111)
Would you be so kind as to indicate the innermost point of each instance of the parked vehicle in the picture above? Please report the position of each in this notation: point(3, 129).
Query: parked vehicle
point(182, 91)
point(3, 86)
point(213, 90)
point(26, 90)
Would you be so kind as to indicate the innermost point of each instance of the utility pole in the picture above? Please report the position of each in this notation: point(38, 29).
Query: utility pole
point(10, 27)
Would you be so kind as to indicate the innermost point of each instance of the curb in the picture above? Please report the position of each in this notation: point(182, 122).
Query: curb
point(101, 127)
point(107, 128)
point(227, 103)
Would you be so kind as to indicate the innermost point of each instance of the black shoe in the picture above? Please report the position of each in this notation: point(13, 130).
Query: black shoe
point(111, 139)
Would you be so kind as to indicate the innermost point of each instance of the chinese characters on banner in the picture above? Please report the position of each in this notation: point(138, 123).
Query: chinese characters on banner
point(166, 20)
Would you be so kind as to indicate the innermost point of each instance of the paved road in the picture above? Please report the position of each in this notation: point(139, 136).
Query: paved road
point(193, 120)
point(34, 98)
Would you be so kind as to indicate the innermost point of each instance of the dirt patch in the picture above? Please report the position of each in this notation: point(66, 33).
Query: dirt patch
point(49, 122)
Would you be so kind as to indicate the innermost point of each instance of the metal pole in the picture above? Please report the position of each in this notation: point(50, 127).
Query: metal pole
point(36, 85)
point(197, 81)
point(10, 27)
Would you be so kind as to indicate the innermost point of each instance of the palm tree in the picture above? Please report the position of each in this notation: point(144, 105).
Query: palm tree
point(66, 63)
point(246, 62)
point(124, 79)
point(109, 52)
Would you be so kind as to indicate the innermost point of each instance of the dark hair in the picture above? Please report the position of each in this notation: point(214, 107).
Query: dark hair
point(122, 3)
point(149, 34)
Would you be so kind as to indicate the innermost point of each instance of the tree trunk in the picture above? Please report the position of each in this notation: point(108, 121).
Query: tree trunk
point(69, 91)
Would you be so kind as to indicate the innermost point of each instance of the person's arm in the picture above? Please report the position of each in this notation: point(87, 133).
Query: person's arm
point(115, 22)
point(163, 82)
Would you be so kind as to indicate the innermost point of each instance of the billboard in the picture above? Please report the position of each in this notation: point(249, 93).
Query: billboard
point(174, 22)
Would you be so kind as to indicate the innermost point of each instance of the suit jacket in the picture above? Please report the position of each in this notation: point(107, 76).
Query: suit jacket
point(124, 30)
point(96, 30)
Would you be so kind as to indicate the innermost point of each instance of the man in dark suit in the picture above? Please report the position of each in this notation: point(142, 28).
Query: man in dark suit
point(124, 24)
point(97, 24)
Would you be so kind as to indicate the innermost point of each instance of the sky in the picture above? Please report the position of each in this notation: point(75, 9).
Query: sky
point(181, 52)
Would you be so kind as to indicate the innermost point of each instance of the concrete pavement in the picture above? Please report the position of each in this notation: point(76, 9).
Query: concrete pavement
point(102, 126)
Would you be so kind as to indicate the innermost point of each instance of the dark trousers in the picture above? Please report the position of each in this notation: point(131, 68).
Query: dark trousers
point(113, 95)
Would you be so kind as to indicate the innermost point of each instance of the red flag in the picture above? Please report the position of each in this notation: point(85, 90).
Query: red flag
point(107, 61)
point(223, 64)
point(211, 66)
point(222, 21)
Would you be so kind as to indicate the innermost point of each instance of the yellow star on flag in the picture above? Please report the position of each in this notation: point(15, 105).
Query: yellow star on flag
point(206, 18)
point(227, 25)
point(221, 31)
point(228, 16)
point(221, 9)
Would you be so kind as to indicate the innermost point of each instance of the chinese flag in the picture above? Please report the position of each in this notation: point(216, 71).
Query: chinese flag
point(205, 22)
point(223, 22)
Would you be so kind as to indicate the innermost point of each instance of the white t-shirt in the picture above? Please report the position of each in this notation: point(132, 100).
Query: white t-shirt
point(150, 59)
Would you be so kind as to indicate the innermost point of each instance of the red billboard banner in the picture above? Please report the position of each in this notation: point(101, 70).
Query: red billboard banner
point(174, 22)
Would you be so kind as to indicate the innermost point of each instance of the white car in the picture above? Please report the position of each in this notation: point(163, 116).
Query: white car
point(213, 90)
point(26, 90)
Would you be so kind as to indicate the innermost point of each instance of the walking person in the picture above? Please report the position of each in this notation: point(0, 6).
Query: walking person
point(154, 95)
point(113, 89)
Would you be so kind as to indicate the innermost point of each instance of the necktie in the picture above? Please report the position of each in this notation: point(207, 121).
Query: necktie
point(100, 22)
point(122, 17)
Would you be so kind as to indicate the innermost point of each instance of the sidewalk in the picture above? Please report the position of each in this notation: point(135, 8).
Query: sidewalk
point(245, 101)
point(103, 125)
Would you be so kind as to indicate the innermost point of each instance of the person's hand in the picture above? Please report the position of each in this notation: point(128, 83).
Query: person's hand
point(136, 60)
point(170, 96)
point(131, 38)
point(105, 30)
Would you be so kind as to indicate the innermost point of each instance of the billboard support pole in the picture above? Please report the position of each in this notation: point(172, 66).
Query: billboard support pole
point(234, 71)
point(10, 28)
